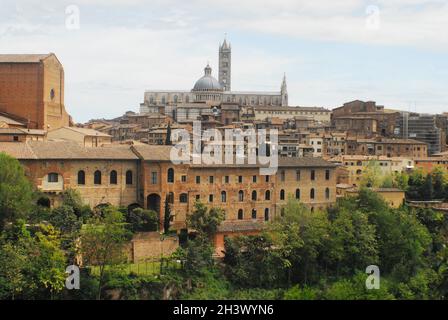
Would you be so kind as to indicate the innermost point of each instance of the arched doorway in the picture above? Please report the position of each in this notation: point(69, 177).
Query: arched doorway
point(153, 202)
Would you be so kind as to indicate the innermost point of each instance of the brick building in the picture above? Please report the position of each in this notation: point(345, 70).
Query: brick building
point(32, 89)
point(239, 189)
point(366, 118)
point(144, 175)
point(386, 147)
point(105, 175)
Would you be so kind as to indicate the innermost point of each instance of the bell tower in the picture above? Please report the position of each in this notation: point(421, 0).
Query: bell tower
point(284, 92)
point(225, 65)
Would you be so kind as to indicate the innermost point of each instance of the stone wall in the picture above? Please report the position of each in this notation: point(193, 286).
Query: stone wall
point(151, 245)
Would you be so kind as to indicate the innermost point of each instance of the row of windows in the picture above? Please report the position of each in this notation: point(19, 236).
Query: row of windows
point(183, 197)
point(312, 194)
point(253, 214)
point(298, 174)
point(97, 177)
point(211, 179)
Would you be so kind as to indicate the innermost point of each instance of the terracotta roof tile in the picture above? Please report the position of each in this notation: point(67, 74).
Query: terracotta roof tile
point(65, 150)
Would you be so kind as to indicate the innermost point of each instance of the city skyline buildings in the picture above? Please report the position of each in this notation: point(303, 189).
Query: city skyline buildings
point(330, 52)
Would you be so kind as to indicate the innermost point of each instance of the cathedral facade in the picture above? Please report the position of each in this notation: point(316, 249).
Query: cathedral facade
point(212, 92)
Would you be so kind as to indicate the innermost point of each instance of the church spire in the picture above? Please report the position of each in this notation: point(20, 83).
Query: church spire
point(284, 92)
point(225, 45)
point(225, 65)
point(284, 87)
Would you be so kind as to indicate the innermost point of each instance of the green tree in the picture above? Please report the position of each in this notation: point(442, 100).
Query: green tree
point(31, 267)
point(12, 280)
point(439, 179)
point(253, 261)
point(372, 175)
point(47, 260)
point(16, 193)
point(352, 243)
point(354, 288)
point(65, 219)
point(141, 220)
point(298, 293)
point(102, 242)
point(167, 217)
point(72, 198)
point(205, 221)
point(416, 185)
point(302, 236)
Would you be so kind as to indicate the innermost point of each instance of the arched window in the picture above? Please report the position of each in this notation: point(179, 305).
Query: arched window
point(183, 198)
point(129, 177)
point(241, 196)
point(170, 176)
point(266, 214)
point(240, 214)
point(297, 194)
point(254, 195)
point(223, 196)
point(282, 194)
point(267, 195)
point(113, 177)
point(254, 213)
point(97, 177)
point(312, 194)
point(81, 177)
point(327, 193)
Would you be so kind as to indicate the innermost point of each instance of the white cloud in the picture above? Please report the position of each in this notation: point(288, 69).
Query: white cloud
point(126, 46)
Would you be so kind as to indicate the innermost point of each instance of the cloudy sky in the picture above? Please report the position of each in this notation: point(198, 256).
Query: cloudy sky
point(392, 51)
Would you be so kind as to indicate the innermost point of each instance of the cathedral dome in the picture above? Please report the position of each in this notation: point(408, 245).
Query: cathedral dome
point(207, 82)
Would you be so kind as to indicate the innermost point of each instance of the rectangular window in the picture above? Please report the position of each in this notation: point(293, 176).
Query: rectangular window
point(183, 178)
point(153, 177)
point(313, 175)
point(254, 179)
point(226, 179)
point(240, 179)
point(211, 179)
point(327, 174)
point(266, 178)
point(53, 177)
point(297, 175)
point(198, 179)
point(210, 198)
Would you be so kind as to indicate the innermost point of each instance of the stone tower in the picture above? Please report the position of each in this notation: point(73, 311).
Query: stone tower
point(284, 92)
point(225, 65)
